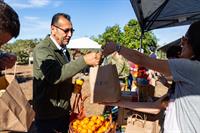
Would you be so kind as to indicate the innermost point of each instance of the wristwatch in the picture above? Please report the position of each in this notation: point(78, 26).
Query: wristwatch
point(118, 47)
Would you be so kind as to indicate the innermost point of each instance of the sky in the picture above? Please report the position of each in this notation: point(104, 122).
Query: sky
point(89, 17)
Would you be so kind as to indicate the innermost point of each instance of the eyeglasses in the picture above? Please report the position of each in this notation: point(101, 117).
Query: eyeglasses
point(65, 30)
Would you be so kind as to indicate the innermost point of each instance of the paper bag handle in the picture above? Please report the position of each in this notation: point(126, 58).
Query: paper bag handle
point(139, 118)
point(78, 98)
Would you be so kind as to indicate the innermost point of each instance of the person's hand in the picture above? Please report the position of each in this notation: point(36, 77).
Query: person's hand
point(93, 58)
point(109, 48)
point(7, 61)
point(163, 80)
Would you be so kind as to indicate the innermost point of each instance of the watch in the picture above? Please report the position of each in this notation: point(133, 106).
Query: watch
point(118, 47)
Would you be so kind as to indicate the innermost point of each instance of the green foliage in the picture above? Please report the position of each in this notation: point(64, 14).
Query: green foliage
point(22, 48)
point(128, 37)
point(111, 34)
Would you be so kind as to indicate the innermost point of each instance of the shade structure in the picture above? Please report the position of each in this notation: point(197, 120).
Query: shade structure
point(83, 43)
point(154, 14)
point(165, 47)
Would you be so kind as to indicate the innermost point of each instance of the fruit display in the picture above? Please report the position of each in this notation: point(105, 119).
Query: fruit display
point(93, 124)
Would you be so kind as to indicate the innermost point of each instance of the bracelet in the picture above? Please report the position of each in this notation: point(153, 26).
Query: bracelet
point(118, 47)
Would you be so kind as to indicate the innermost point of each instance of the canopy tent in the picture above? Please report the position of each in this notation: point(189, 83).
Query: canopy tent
point(154, 14)
point(83, 43)
point(165, 47)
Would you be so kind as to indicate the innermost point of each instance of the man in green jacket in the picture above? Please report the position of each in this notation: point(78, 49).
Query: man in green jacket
point(53, 71)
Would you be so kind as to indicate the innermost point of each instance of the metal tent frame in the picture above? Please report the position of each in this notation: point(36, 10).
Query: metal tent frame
point(154, 14)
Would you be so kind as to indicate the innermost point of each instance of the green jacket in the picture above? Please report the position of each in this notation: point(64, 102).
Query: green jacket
point(52, 83)
point(123, 68)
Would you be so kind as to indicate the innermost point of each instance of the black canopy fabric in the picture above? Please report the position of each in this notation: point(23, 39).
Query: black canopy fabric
point(154, 14)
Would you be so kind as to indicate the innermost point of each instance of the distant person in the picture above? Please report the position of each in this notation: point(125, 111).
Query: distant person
point(184, 116)
point(9, 28)
point(123, 68)
point(53, 71)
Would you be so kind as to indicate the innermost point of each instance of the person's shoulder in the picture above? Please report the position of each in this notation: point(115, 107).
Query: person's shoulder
point(185, 64)
point(44, 43)
point(185, 61)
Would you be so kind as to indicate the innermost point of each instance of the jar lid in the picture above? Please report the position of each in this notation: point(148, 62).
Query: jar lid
point(79, 81)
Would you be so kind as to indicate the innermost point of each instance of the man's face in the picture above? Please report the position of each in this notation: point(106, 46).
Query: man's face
point(62, 32)
point(4, 38)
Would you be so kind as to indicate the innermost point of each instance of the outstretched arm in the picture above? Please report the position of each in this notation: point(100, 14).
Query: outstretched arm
point(139, 58)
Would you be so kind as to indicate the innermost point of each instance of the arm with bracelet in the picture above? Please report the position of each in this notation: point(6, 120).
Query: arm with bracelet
point(138, 58)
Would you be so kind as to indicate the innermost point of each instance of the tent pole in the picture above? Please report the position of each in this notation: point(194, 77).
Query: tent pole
point(141, 37)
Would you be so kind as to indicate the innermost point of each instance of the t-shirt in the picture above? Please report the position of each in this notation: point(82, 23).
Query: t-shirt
point(186, 74)
point(170, 123)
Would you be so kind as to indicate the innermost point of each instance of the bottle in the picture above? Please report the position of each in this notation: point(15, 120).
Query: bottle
point(78, 85)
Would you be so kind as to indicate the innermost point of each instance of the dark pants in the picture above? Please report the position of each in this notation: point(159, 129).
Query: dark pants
point(52, 125)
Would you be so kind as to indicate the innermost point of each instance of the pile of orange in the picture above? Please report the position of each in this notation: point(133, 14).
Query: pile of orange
point(93, 124)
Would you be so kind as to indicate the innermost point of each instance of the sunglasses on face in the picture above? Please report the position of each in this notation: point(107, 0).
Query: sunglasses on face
point(65, 30)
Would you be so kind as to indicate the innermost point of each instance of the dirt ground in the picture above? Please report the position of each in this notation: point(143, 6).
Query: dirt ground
point(24, 76)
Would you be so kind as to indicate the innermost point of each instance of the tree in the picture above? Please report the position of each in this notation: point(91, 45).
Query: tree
point(22, 48)
point(128, 37)
point(111, 34)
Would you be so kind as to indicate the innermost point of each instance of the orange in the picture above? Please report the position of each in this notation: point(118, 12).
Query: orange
point(86, 120)
point(75, 127)
point(79, 129)
point(84, 126)
point(99, 122)
point(93, 128)
point(76, 121)
point(107, 124)
point(103, 129)
point(93, 118)
point(91, 123)
point(82, 123)
point(89, 131)
point(99, 131)
point(83, 131)
point(101, 118)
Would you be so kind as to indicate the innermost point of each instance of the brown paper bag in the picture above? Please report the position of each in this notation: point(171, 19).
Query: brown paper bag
point(104, 84)
point(138, 124)
point(78, 108)
point(16, 113)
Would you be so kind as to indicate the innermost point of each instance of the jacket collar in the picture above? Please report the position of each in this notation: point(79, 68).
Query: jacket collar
point(58, 52)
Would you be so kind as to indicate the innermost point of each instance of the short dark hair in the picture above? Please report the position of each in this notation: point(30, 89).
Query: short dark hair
point(9, 20)
point(193, 35)
point(57, 16)
point(173, 51)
